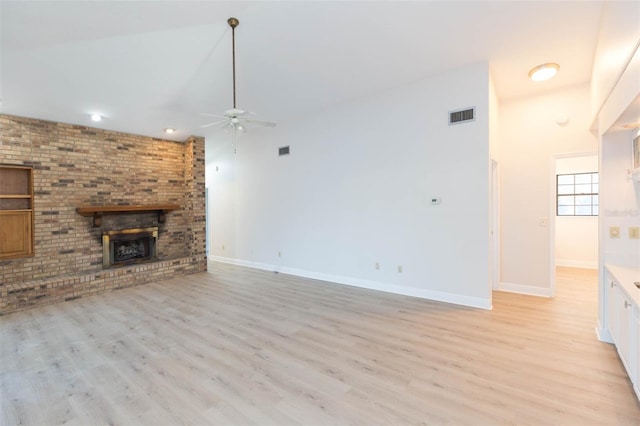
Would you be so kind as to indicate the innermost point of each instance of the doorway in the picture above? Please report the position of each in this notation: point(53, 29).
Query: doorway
point(574, 212)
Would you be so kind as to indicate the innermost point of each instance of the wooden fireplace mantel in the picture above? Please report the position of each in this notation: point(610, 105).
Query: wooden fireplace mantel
point(98, 211)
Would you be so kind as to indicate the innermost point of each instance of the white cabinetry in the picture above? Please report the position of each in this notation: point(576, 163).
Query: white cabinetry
point(623, 320)
point(636, 382)
point(625, 327)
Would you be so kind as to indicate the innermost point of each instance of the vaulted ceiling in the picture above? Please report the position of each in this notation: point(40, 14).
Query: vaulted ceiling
point(149, 65)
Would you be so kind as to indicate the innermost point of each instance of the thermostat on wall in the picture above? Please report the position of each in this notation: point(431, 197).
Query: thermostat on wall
point(436, 200)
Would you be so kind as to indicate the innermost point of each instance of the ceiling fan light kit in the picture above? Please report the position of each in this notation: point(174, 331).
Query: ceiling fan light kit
point(235, 118)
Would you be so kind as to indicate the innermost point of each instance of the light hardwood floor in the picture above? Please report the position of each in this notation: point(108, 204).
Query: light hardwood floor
point(242, 346)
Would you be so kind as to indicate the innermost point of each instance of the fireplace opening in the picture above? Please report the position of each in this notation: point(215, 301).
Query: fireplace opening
point(127, 246)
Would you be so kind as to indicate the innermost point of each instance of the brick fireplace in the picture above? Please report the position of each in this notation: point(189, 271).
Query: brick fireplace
point(77, 166)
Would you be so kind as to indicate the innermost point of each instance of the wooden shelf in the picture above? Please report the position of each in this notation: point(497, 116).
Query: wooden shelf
point(98, 211)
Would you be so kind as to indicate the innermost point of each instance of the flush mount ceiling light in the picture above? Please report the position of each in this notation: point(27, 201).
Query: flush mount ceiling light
point(544, 72)
point(169, 130)
point(96, 117)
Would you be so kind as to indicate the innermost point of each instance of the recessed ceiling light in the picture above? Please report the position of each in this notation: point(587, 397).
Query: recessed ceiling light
point(96, 117)
point(169, 130)
point(544, 72)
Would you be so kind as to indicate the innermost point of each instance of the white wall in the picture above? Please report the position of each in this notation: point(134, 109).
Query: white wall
point(529, 138)
point(617, 40)
point(220, 169)
point(356, 190)
point(577, 236)
point(622, 199)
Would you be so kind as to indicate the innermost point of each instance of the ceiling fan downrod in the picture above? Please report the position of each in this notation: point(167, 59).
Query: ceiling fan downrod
point(233, 23)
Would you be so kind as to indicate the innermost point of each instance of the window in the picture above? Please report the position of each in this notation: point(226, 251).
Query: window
point(577, 194)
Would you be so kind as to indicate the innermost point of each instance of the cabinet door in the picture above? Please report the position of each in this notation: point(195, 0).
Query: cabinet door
point(15, 233)
point(636, 353)
point(625, 321)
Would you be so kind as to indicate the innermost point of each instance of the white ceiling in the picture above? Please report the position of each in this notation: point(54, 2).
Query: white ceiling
point(148, 65)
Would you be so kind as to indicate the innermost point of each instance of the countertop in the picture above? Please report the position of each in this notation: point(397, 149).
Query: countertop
point(626, 276)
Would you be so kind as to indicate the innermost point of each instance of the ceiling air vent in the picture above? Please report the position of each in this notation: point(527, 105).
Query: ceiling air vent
point(283, 151)
point(462, 116)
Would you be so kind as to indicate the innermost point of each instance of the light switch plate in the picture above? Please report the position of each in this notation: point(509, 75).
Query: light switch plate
point(634, 232)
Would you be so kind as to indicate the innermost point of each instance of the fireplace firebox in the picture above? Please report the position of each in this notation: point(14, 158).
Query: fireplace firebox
point(127, 246)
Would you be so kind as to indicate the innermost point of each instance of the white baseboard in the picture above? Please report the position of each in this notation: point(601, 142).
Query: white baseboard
point(439, 296)
point(572, 263)
point(250, 264)
point(525, 289)
point(603, 334)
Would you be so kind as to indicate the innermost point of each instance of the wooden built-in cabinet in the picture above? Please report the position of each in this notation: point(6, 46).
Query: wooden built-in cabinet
point(16, 211)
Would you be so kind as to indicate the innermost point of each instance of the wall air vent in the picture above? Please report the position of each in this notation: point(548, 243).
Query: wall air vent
point(462, 116)
point(283, 151)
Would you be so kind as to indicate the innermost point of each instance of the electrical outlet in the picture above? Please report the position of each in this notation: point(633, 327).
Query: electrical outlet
point(399, 269)
point(634, 233)
point(614, 232)
point(377, 265)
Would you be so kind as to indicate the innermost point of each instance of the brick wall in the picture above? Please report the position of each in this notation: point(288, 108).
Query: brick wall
point(81, 166)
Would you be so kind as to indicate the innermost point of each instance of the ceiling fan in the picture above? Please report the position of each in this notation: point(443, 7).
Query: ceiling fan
point(235, 118)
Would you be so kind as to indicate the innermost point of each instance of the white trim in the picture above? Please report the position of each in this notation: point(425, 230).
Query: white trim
point(603, 334)
point(603, 327)
point(247, 263)
point(526, 289)
point(495, 225)
point(552, 225)
point(457, 299)
point(573, 263)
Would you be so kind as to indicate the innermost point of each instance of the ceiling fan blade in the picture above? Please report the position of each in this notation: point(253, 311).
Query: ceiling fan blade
point(260, 122)
point(213, 124)
point(212, 115)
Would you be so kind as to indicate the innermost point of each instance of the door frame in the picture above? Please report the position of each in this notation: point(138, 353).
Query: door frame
point(494, 229)
point(552, 212)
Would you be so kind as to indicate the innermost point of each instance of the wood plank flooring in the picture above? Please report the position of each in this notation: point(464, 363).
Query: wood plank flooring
point(237, 346)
